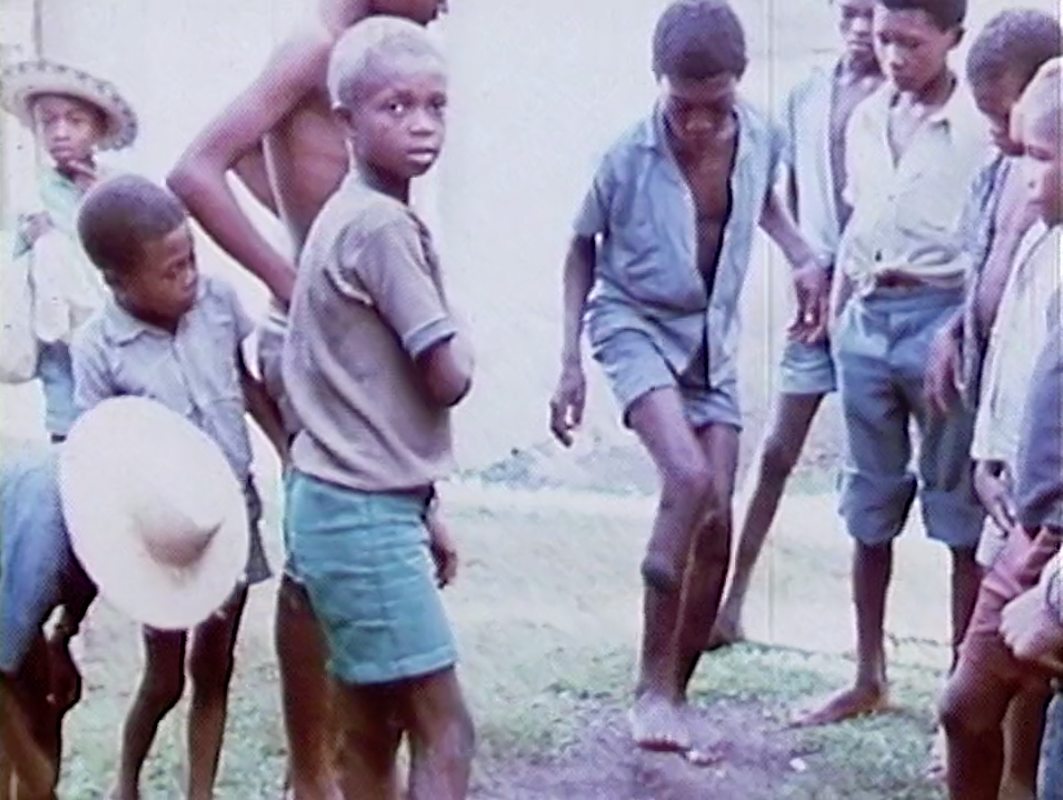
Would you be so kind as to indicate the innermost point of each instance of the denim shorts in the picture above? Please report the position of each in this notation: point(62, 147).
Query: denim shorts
point(634, 367)
point(806, 369)
point(365, 561)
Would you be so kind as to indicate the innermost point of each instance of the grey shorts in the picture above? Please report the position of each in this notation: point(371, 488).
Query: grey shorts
point(807, 369)
point(634, 367)
point(881, 346)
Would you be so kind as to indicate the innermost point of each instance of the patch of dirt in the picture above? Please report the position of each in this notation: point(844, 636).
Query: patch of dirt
point(757, 758)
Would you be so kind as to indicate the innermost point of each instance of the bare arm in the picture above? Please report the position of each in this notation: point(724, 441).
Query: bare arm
point(199, 178)
point(447, 370)
point(570, 397)
point(252, 172)
point(777, 221)
point(577, 281)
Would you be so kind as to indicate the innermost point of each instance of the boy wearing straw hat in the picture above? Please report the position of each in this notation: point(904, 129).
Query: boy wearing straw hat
point(372, 363)
point(174, 336)
point(72, 115)
point(136, 502)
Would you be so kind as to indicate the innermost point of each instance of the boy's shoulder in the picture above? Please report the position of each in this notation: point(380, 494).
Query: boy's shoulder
point(356, 213)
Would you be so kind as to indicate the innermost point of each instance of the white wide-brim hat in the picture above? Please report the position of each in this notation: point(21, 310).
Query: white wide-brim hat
point(21, 82)
point(155, 513)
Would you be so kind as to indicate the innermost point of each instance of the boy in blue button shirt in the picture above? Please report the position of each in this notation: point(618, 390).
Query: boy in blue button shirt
point(657, 261)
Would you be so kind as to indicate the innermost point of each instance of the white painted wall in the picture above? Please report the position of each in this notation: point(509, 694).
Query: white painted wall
point(538, 91)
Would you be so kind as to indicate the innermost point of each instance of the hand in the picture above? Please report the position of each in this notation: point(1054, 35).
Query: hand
point(82, 173)
point(34, 226)
point(444, 553)
point(1031, 630)
point(942, 377)
point(65, 689)
point(812, 287)
point(567, 404)
point(994, 492)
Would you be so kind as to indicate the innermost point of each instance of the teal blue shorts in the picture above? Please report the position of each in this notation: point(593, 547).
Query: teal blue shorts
point(365, 561)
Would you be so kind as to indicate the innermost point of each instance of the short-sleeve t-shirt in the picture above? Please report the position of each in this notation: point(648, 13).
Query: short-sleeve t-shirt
point(36, 549)
point(368, 302)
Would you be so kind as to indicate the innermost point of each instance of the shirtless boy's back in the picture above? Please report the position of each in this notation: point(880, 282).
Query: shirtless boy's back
point(280, 138)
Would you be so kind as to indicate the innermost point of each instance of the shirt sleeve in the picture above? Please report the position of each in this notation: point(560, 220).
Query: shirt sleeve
point(93, 382)
point(592, 218)
point(388, 264)
point(245, 326)
point(1039, 484)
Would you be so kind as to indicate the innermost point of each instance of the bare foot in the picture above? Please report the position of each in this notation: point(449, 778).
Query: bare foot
point(855, 702)
point(937, 762)
point(658, 724)
point(119, 793)
point(727, 631)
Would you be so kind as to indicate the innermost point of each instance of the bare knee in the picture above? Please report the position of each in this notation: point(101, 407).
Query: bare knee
point(778, 459)
point(211, 670)
point(686, 484)
point(450, 747)
point(160, 690)
point(962, 711)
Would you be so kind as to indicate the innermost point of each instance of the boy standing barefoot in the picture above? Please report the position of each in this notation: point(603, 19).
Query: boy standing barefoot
point(661, 246)
point(817, 113)
point(280, 138)
point(372, 363)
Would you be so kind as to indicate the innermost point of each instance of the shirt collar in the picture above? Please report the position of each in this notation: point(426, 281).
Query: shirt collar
point(957, 113)
point(652, 135)
point(122, 327)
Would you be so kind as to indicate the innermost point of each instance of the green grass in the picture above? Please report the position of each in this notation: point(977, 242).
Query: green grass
point(546, 610)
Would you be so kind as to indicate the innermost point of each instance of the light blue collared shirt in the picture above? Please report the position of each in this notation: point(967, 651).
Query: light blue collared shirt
point(808, 151)
point(193, 372)
point(646, 277)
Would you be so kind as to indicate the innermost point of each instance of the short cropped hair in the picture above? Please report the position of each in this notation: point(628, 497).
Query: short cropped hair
point(699, 39)
point(366, 52)
point(119, 215)
point(946, 14)
point(1014, 42)
point(1040, 109)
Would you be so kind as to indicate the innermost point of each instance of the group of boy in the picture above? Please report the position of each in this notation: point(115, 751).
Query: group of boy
point(932, 207)
point(888, 255)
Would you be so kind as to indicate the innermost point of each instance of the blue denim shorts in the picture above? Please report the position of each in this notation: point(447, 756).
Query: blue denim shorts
point(55, 371)
point(364, 559)
point(634, 367)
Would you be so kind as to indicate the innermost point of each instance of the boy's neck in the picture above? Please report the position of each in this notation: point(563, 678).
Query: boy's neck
point(385, 183)
point(852, 70)
point(935, 93)
point(167, 324)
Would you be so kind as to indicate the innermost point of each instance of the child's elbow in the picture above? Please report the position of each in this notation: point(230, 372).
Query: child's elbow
point(448, 371)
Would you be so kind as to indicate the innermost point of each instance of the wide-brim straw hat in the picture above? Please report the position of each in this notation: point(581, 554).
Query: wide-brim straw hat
point(155, 513)
point(20, 83)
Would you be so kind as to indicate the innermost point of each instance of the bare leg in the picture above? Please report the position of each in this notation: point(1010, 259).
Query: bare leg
point(1024, 727)
point(975, 702)
point(710, 553)
point(160, 688)
point(306, 690)
point(442, 737)
point(211, 669)
point(25, 762)
point(658, 418)
point(371, 734)
point(872, 570)
point(792, 421)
